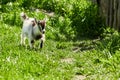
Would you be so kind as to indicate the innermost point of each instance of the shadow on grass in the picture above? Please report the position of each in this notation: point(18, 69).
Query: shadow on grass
point(85, 45)
point(27, 47)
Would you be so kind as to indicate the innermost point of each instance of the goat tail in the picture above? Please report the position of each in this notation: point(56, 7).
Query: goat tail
point(23, 16)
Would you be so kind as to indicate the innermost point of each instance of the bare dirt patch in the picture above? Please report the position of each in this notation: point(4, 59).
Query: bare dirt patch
point(79, 77)
point(68, 60)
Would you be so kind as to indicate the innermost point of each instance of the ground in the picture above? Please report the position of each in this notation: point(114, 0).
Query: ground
point(58, 60)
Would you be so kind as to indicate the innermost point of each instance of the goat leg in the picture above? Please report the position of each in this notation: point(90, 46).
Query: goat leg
point(23, 39)
point(41, 44)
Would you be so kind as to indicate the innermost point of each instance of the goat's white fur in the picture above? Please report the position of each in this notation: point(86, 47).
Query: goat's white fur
point(30, 30)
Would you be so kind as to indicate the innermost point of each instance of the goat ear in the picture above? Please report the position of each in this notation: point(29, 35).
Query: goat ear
point(22, 14)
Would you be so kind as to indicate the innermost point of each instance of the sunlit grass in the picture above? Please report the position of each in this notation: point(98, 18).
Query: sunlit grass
point(20, 62)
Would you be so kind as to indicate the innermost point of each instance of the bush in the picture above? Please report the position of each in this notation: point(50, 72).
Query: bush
point(74, 17)
point(86, 21)
point(61, 28)
point(110, 44)
point(10, 13)
point(82, 19)
point(12, 19)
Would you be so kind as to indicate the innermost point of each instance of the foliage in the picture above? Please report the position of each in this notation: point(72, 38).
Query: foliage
point(110, 43)
point(21, 62)
point(62, 26)
point(86, 21)
point(94, 59)
point(80, 19)
point(6, 1)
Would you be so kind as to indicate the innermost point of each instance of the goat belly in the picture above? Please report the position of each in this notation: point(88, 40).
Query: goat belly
point(37, 37)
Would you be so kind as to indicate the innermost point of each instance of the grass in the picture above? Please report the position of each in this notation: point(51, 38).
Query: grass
point(22, 63)
point(27, 64)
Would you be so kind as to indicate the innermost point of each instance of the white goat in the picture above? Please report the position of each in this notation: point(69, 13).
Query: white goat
point(33, 30)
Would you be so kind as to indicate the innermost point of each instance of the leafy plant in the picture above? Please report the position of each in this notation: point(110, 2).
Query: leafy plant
point(110, 44)
point(86, 21)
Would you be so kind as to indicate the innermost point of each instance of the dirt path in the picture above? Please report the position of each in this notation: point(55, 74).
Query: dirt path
point(70, 61)
point(79, 77)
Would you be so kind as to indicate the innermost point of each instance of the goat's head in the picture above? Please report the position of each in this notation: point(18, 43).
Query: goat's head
point(42, 23)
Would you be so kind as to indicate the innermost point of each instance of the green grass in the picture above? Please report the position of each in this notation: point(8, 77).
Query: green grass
point(19, 62)
point(22, 63)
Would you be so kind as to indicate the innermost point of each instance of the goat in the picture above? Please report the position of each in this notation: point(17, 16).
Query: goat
point(33, 30)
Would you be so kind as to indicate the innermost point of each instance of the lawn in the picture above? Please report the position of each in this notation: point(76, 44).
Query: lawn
point(58, 60)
